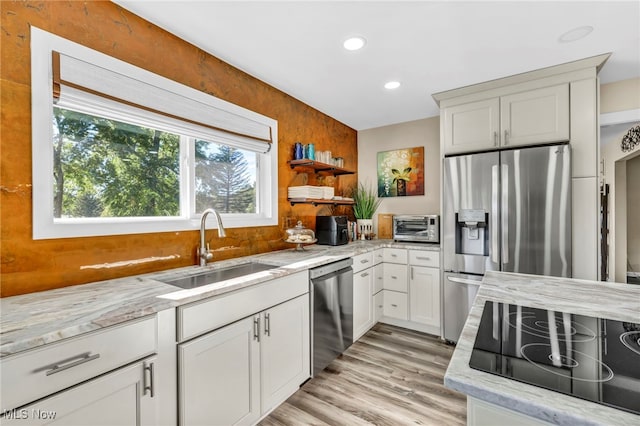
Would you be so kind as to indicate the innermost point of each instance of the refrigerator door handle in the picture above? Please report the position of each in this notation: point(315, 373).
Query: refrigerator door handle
point(505, 216)
point(494, 213)
point(496, 321)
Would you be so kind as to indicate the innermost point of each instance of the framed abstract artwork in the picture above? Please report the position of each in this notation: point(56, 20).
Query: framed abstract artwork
point(401, 172)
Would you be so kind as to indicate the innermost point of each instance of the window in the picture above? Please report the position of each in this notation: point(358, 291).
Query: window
point(225, 178)
point(119, 150)
point(106, 168)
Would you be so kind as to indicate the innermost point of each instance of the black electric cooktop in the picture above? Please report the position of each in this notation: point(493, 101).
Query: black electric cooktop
point(595, 359)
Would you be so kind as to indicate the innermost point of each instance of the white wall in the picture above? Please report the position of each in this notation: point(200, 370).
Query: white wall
point(615, 174)
point(425, 133)
point(620, 109)
point(633, 213)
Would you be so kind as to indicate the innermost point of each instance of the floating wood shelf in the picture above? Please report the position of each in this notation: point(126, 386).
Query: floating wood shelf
point(317, 201)
point(320, 168)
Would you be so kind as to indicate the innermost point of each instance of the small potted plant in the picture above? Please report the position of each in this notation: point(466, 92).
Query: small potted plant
point(366, 203)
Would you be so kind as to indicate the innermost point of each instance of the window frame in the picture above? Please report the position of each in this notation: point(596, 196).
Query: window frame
point(43, 44)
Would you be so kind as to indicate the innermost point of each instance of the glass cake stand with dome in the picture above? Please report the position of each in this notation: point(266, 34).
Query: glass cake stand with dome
point(300, 236)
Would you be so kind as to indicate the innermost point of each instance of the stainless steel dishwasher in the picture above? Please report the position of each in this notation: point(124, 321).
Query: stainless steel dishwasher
point(331, 290)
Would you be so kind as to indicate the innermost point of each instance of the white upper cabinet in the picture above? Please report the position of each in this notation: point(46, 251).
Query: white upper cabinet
point(524, 118)
point(472, 126)
point(536, 116)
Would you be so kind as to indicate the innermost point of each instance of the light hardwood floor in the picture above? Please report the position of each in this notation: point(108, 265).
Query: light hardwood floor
point(391, 376)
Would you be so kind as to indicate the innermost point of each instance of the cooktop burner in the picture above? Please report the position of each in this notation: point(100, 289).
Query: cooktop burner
point(591, 358)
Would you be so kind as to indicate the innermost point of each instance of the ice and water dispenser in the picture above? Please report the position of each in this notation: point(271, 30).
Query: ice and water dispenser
point(472, 232)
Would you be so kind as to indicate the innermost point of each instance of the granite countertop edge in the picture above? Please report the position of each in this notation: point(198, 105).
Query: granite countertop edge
point(577, 296)
point(32, 320)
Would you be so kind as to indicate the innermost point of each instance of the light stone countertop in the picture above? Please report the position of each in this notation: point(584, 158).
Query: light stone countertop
point(31, 320)
point(597, 299)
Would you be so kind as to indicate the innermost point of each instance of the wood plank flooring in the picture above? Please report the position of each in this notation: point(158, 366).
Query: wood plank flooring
point(391, 376)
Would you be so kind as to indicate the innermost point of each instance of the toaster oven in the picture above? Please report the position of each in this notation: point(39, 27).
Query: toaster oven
point(416, 228)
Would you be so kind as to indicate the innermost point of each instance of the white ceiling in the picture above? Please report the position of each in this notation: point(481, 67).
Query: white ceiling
point(296, 46)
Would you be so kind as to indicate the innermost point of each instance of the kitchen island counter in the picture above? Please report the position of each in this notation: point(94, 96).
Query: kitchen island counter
point(596, 299)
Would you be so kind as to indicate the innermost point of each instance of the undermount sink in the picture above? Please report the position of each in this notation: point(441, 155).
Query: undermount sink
point(217, 275)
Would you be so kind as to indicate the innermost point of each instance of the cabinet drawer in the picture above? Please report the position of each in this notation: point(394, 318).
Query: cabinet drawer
point(424, 258)
point(378, 256)
point(395, 304)
point(362, 261)
point(199, 317)
point(378, 306)
point(393, 255)
point(41, 372)
point(115, 398)
point(378, 277)
point(395, 277)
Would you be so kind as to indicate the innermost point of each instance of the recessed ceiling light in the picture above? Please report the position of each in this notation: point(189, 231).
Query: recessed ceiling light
point(575, 34)
point(354, 43)
point(392, 85)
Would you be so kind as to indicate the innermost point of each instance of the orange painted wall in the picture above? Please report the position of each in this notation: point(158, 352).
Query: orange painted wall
point(28, 265)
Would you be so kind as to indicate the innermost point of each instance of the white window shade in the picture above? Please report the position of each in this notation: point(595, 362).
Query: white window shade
point(90, 103)
point(214, 117)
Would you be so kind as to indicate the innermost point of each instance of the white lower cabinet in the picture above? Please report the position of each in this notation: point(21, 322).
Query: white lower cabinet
point(394, 304)
point(410, 295)
point(378, 278)
point(424, 288)
point(285, 350)
point(395, 277)
point(378, 284)
point(480, 413)
point(219, 377)
point(123, 397)
point(363, 316)
point(378, 306)
point(241, 371)
point(108, 377)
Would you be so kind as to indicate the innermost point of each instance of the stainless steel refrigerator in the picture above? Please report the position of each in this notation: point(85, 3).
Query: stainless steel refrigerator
point(506, 210)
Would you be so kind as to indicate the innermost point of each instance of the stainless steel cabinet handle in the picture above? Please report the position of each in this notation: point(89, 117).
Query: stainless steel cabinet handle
point(256, 328)
point(423, 258)
point(412, 272)
point(394, 255)
point(71, 362)
point(495, 138)
point(149, 387)
point(506, 136)
point(364, 261)
point(394, 305)
point(364, 274)
point(267, 324)
point(394, 277)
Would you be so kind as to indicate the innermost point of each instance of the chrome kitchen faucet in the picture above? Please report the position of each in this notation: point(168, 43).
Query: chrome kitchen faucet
point(203, 251)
